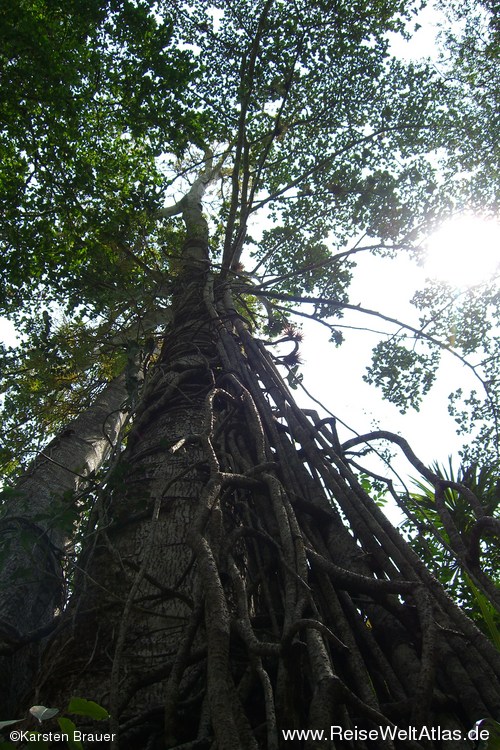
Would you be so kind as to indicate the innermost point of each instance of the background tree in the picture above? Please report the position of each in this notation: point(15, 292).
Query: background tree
point(232, 578)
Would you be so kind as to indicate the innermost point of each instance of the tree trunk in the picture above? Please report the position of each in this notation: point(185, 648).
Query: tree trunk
point(35, 525)
point(240, 581)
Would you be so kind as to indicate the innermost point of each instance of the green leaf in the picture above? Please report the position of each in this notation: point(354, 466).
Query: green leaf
point(83, 707)
point(486, 610)
point(69, 728)
point(493, 727)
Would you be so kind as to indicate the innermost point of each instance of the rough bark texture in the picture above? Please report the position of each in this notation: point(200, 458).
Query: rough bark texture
point(34, 531)
point(241, 581)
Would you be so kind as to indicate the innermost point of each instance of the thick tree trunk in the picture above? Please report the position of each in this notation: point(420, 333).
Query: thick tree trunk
point(35, 525)
point(241, 582)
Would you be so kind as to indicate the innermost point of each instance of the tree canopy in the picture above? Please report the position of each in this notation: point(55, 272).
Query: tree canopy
point(153, 152)
point(318, 138)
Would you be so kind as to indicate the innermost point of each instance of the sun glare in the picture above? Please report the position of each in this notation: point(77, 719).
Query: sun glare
point(464, 251)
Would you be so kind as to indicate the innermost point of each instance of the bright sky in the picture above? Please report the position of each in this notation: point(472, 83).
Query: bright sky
point(334, 376)
point(462, 252)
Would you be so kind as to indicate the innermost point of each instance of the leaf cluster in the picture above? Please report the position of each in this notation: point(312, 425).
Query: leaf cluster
point(89, 100)
point(428, 537)
point(110, 108)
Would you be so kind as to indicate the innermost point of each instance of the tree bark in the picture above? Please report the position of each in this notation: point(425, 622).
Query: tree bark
point(35, 525)
point(241, 581)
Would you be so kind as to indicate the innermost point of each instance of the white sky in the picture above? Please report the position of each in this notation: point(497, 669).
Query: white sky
point(334, 375)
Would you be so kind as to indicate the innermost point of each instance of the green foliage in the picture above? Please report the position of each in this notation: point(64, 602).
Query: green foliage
point(428, 537)
point(404, 374)
point(89, 99)
point(112, 108)
point(47, 380)
point(60, 367)
point(488, 613)
point(467, 321)
point(493, 741)
point(469, 59)
point(42, 713)
point(84, 707)
point(374, 488)
point(108, 108)
point(76, 707)
point(68, 727)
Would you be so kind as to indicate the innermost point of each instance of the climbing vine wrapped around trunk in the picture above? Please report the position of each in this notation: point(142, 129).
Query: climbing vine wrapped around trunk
point(240, 580)
point(233, 579)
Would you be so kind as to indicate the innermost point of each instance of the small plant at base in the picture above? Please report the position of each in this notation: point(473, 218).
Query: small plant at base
point(76, 706)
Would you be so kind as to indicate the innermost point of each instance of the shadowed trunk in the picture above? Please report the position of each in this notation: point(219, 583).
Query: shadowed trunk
point(241, 582)
point(234, 581)
point(35, 524)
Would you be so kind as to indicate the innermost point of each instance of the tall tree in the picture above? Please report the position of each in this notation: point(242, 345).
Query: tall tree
point(234, 578)
point(37, 523)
